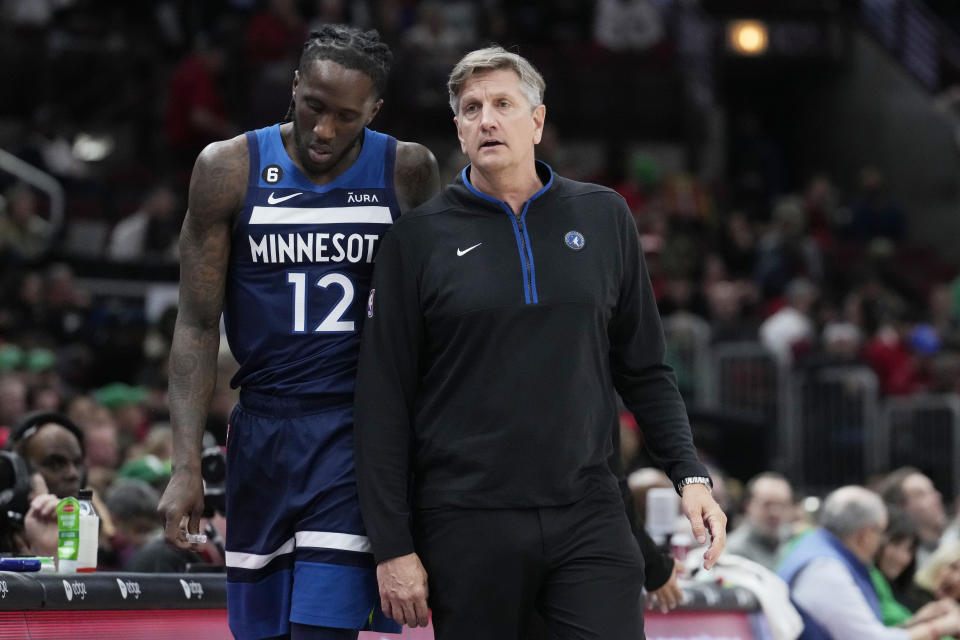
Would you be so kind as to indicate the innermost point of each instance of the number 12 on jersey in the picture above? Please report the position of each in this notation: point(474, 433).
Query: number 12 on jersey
point(333, 322)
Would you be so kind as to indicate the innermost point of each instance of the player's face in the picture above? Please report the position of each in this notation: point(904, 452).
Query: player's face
point(495, 124)
point(332, 106)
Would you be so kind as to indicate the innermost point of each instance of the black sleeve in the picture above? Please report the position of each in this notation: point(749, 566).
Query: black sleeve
point(658, 563)
point(385, 391)
point(640, 373)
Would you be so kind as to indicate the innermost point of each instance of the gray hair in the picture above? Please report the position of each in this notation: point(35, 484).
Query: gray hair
point(131, 498)
point(495, 58)
point(849, 509)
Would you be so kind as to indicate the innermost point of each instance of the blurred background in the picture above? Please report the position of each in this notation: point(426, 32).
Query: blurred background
point(793, 167)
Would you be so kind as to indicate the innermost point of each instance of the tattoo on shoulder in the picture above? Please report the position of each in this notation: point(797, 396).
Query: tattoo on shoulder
point(219, 179)
point(417, 176)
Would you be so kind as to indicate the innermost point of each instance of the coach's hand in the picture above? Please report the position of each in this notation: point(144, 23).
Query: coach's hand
point(704, 513)
point(403, 590)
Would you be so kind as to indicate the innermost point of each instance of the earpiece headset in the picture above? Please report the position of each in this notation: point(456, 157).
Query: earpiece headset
point(31, 422)
point(15, 499)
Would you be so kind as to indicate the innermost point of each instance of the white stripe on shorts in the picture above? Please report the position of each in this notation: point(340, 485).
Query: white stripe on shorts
point(331, 540)
point(314, 539)
point(240, 560)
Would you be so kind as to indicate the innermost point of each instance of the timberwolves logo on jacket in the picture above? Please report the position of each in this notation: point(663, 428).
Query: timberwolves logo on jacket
point(574, 240)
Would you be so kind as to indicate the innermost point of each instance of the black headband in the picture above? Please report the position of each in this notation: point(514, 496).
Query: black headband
point(31, 422)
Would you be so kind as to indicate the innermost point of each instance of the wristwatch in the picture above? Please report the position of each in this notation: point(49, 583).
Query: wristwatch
point(694, 480)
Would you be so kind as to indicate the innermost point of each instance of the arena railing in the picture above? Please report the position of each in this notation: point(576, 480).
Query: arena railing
point(830, 425)
point(40, 180)
point(921, 431)
point(688, 351)
point(744, 378)
point(834, 419)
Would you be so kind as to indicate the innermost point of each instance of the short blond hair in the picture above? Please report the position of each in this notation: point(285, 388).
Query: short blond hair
point(927, 574)
point(493, 59)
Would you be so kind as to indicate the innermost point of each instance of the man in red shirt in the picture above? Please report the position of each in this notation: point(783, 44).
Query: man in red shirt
point(196, 112)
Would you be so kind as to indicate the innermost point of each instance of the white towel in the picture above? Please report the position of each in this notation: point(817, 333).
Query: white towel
point(771, 591)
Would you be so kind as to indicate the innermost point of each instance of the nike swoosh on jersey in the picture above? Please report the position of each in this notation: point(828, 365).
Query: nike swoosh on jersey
point(467, 250)
point(272, 200)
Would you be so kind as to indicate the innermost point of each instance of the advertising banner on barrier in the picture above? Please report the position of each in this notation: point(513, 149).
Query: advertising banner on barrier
point(420, 633)
point(676, 625)
point(702, 625)
point(115, 605)
point(110, 591)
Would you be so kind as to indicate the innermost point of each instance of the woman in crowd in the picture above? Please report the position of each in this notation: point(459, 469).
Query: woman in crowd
point(892, 576)
point(939, 577)
point(894, 566)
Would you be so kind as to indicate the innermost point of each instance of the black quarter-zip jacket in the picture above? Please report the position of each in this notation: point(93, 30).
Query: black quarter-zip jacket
point(492, 350)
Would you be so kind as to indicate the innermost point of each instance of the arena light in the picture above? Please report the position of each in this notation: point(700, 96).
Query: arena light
point(748, 37)
point(91, 147)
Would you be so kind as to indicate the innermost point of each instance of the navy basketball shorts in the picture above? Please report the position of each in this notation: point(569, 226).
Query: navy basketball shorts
point(296, 547)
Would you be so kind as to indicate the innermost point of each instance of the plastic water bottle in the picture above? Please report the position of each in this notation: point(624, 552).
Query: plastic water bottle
point(89, 533)
point(68, 534)
point(663, 507)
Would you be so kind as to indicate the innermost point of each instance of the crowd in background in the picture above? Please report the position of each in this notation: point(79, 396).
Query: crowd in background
point(820, 274)
point(896, 524)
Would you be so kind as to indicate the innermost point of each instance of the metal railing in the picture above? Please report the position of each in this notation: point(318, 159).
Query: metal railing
point(921, 431)
point(41, 181)
point(743, 378)
point(688, 346)
point(834, 413)
point(829, 425)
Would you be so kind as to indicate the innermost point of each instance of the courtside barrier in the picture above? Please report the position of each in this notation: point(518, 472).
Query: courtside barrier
point(134, 606)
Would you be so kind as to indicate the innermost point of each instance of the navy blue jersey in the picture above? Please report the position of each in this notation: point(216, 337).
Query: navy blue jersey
point(300, 267)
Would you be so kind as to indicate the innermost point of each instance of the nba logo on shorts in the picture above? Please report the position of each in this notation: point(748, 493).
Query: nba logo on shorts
point(574, 240)
point(370, 303)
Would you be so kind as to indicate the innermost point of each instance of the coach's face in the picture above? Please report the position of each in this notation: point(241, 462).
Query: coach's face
point(496, 125)
point(332, 106)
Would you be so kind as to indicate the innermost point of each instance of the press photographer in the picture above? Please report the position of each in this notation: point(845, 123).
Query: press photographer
point(28, 512)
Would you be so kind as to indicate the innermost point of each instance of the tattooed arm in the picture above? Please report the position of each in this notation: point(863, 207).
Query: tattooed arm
point(416, 176)
point(217, 189)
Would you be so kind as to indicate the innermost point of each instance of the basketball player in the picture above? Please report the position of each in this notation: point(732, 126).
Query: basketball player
point(280, 236)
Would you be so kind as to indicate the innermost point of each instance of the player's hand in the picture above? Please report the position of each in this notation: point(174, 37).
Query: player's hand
point(669, 595)
point(705, 514)
point(403, 590)
point(182, 500)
